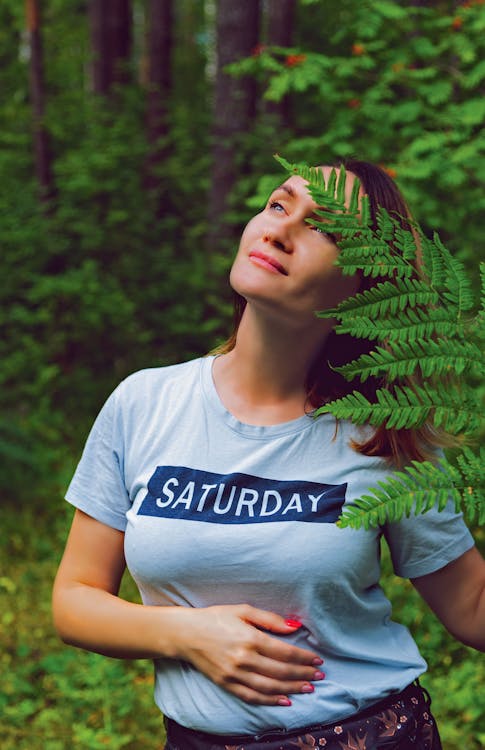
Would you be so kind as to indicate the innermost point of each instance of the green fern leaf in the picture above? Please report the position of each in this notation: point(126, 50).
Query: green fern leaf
point(470, 466)
point(421, 317)
point(433, 255)
point(409, 325)
point(373, 258)
point(459, 292)
point(386, 297)
point(415, 490)
point(406, 408)
point(418, 488)
point(404, 358)
point(405, 243)
point(341, 224)
point(347, 219)
point(387, 409)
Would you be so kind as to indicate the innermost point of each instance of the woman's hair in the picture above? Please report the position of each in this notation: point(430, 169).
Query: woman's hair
point(323, 383)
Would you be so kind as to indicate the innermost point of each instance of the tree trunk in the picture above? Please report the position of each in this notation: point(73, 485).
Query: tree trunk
point(111, 37)
point(279, 22)
point(42, 151)
point(159, 82)
point(237, 32)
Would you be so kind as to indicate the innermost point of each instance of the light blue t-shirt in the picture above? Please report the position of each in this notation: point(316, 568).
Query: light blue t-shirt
point(220, 512)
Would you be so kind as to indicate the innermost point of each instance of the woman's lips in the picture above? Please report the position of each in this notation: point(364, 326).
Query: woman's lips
point(266, 261)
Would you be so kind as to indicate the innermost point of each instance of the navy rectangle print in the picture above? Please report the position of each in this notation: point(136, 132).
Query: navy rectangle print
point(195, 495)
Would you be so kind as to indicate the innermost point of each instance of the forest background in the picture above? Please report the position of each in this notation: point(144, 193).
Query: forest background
point(131, 156)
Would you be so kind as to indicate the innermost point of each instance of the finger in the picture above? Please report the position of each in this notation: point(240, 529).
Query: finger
point(279, 670)
point(280, 651)
point(266, 686)
point(270, 620)
point(248, 695)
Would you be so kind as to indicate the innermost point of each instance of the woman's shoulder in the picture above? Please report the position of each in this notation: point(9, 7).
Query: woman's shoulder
point(153, 379)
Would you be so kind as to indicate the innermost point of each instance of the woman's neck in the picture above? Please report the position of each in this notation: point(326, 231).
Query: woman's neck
point(263, 379)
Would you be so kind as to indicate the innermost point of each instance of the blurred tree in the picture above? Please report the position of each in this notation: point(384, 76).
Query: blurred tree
point(42, 150)
point(111, 35)
point(237, 31)
point(159, 83)
point(279, 29)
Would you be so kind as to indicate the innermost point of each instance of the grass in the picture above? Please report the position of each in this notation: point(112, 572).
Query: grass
point(53, 697)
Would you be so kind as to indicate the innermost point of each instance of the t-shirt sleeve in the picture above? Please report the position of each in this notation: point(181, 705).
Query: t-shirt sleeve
point(427, 542)
point(98, 486)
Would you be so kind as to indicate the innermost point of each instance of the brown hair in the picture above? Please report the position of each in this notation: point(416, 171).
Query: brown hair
point(323, 383)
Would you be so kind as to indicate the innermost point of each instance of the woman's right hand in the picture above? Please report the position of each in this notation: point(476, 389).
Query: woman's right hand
point(231, 645)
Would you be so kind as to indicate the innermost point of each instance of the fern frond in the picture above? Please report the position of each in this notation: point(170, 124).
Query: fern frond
point(418, 488)
point(459, 289)
point(385, 227)
point(471, 466)
point(313, 175)
point(347, 219)
point(388, 409)
point(482, 285)
point(413, 491)
point(386, 297)
point(355, 201)
point(405, 243)
point(407, 408)
point(337, 223)
point(478, 324)
point(433, 259)
point(404, 358)
point(374, 258)
point(409, 325)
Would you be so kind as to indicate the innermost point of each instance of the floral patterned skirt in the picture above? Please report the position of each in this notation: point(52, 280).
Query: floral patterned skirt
point(402, 721)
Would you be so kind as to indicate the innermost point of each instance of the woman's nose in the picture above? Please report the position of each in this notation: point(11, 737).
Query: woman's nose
point(278, 239)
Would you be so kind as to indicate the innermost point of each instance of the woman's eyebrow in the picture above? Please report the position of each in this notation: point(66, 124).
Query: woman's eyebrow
point(287, 188)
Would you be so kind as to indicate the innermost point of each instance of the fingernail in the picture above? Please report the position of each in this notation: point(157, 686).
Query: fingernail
point(319, 675)
point(307, 689)
point(317, 662)
point(293, 623)
point(284, 702)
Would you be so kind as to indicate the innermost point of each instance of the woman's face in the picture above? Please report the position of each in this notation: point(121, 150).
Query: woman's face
point(286, 264)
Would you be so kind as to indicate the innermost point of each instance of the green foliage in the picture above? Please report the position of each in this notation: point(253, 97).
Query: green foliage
point(420, 487)
point(53, 697)
point(421, 313)
point(108, 282)
point(399, 86)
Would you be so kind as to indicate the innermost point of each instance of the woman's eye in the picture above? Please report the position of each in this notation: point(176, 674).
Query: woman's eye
point(276, 206)
point(330, 236)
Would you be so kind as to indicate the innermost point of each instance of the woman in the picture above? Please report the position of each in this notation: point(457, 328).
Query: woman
point(213, 480)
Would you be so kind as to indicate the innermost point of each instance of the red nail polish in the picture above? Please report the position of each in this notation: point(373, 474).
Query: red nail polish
point(284, 702)
point(293, 623)
point(307, 689)
point(317, 662)
point(318, 675)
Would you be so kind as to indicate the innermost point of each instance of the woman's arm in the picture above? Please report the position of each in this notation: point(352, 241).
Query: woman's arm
point(456, 594)
point(226, 643)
